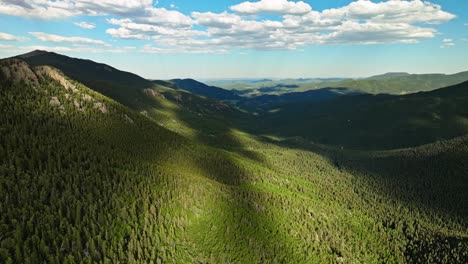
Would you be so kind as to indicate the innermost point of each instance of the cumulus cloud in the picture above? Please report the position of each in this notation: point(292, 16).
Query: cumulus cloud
point(360, 22)
point(162, 16)
point(75, 40)
point(375, 33)
point(391, 11)
point(221, 20)
point(8, 37)
point(85, 25)
point(272, 6)
point(133, 30)
point(292, 24)
point(43, 9)
point(124, 33)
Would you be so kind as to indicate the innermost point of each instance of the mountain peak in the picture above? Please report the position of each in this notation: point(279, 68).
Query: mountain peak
point(33, 54)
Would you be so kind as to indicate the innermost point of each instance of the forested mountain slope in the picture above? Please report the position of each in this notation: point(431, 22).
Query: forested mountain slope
point(389, 83)
point(122, 86)
point(87, 179)
point(374, 121)
point(162, 101)
point(318, 95)
point(205, 90)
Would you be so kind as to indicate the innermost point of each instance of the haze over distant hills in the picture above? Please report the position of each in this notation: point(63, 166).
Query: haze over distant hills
point(390, 83)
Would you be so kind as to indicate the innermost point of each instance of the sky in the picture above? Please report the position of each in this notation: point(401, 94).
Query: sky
point(245, 39)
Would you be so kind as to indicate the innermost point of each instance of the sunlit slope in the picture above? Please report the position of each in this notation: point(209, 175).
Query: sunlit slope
point(389, 83)
point(396, 83)
point(183, 112)
point(85, 179)
point(375, 122)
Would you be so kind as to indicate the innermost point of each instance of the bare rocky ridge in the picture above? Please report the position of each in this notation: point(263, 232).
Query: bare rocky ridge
point(19, 71)
point(56, 75)
point(153, 93)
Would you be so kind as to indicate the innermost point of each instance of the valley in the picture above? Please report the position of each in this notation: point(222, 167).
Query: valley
point(103, 166)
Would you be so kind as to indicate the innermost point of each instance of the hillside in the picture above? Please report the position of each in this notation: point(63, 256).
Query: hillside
point(396, 83)
point(87, 179)
point(375, 121)
point(268, 101)
point(389, 75)
point(162, 101)
point(122, 86)
point(254, 87)
point(199, 88)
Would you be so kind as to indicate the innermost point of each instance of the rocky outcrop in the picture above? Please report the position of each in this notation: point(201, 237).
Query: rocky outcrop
point(144, 113)
point(128, 119)
point(17, 71)
point(56, 75)
point(153, 93)
point(54, 101)
point(101, 107)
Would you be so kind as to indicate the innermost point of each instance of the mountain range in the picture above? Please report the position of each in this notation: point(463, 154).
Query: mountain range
point(101, 165)
point(396, 83)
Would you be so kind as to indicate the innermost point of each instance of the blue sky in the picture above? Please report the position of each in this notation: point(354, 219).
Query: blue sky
point(245, 39)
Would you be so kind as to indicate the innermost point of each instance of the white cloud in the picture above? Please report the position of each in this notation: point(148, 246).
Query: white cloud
point(395, 11)
point(76, 40)
point(42, 9)
point(132, 30)
point(222, 20)
point(446, 43)
point(375, 33)
point(46, 9)
point(294, 25)
point(85, 25)
point(193, 50)
point(272, 6)
point(8, 37)
point(3, 46)
point(124, 33)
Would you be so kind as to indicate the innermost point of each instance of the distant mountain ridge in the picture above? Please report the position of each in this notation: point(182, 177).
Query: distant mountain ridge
point(387, 83)
point(396, 83)
point(199, 88)
point(375, 121)
point(297, 97)
point(388, 75)
point(122, 86)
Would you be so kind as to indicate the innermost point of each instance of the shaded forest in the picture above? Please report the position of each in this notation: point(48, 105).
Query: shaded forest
point(88, 179)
